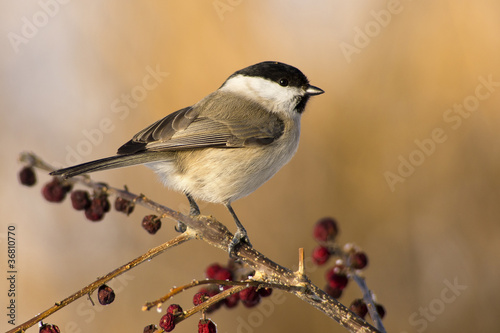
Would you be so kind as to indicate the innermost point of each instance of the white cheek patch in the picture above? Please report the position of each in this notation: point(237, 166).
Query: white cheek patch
point(273, 96)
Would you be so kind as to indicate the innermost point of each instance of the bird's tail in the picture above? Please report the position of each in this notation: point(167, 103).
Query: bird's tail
point(112, 162)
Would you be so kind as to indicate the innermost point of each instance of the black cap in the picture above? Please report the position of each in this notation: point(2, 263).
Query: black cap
point(279, 72)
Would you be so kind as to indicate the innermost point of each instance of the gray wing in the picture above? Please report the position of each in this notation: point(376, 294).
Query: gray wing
point(220, 120)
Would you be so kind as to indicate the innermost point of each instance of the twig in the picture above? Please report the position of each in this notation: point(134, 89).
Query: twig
point(212, 300)
point(367, 297)
point(174, 291)
point(96, 284)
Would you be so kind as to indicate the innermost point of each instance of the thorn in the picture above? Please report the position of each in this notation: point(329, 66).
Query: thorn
point(301, 262)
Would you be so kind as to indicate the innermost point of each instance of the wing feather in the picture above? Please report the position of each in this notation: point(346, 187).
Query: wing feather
point(216, 121)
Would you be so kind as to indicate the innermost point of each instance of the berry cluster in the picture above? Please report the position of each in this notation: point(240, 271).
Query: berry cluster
point(249, 297)
point(234, 271)
point(350, 260)
point(168, 321)
point(95, 206)
point(358, 306)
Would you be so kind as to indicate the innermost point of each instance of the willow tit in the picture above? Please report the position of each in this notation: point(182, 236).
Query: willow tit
point(225, 146)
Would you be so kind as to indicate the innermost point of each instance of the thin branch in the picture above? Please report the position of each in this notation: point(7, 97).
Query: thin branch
point(367, 297)
point(217, 235)
point(209, 302)
point(96, 284)
point(177, 290)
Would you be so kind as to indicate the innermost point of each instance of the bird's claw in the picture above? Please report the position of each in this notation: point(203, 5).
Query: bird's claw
point(240, 237)
point(180, 227)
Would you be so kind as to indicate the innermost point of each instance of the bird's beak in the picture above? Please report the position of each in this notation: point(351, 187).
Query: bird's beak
point(312, 91)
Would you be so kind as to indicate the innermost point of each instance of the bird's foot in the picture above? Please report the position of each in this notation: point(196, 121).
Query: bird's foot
point(194, 210)
point(180, 227)
point(240, 238)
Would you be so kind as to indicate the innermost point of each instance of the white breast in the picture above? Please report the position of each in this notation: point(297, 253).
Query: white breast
point(225, 175)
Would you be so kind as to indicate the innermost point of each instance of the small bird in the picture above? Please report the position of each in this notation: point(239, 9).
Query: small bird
point(225, 146)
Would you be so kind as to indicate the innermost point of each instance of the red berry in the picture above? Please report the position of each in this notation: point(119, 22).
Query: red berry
point(325, 230)
point(124, 205)
point(149, 329)
point(102, 200)
point(250, 297)
point(338, 281)
point(80, 200)
point(46, 328)
point(106, 295)
point(174, 309)
point(359, 307)
point(54, 191)
point(232, 300)
point(337, 277)
point(151, 223)
point(333, 292)
point(206, 326)
point(167, 322)
point(27, 176)
point(95, 212)
point(211, 270)
point(358, 260)
point(380, 310)
point(265, 292)
point(223, 274)
point(200, 297)
point(320, 255)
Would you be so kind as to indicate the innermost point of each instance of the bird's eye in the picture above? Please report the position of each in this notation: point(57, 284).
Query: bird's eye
point(283, 82)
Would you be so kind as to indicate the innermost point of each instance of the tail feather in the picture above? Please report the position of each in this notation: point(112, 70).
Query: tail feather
point(112, 162)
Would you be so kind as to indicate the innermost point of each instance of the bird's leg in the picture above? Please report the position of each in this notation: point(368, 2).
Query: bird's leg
point(239, 236)
point(194, 210)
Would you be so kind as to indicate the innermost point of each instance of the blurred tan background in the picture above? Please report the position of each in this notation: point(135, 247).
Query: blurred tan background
point(392, 73)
